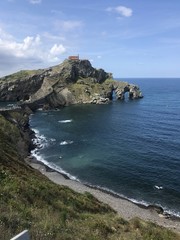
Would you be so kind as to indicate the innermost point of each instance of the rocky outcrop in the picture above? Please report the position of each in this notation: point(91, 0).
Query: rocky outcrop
point(72, 82)
point(15, 127)
point(20, 86)
point(123, 87)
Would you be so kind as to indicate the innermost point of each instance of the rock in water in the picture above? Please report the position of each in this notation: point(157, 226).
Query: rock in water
point(72, 82)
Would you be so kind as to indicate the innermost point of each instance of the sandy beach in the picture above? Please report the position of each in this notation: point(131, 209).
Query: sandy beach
point(123, 207)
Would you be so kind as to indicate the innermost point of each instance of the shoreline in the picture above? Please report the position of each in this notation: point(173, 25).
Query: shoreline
point(124, 207)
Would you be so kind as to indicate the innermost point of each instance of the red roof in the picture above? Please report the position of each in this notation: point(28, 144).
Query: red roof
point(74, 57)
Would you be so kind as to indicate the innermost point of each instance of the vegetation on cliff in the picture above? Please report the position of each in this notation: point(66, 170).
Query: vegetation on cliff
point(71, 82)
point(28, 200)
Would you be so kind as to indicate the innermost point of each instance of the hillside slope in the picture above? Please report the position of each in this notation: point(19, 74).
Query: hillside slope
point(28, 200)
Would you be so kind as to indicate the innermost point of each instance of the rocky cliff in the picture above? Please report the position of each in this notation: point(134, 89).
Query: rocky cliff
point(72, 82)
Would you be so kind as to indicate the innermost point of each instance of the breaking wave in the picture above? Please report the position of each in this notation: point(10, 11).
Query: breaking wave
point(65, 121)
point(41, 142)
point(66, 142)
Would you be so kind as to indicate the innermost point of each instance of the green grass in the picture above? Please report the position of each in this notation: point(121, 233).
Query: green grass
point(20, 75)
point(28, 200)
point(85, 89)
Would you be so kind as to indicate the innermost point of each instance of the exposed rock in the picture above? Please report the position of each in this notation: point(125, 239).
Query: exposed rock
point(20, 86)
point(156, 208)
point(72, 82)
point(20, 133)
point(123, 87)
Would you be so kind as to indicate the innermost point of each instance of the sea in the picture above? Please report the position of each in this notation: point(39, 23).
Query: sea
point(130, 148)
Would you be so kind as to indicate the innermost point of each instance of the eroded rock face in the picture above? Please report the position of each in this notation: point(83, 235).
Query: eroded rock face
point(123, 87)
point(20, 88)
point(71, 82)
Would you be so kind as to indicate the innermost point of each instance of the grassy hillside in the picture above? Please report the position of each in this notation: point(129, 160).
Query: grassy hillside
point(20, 75)
point(28, 200)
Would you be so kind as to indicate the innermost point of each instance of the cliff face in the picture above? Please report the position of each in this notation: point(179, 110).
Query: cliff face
point(21, 85)
point(71, 82)
point(15, 134)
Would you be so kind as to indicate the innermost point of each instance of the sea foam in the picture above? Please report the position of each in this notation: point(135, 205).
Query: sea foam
point(66, 142)
point(118, 195)
point(65, 121)
point(41, 142)
point(158, 187)
point(35, 153)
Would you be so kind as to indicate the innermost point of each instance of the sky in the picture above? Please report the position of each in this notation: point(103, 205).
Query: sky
point(130, 38)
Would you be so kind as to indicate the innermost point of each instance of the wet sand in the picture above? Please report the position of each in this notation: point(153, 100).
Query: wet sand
point(123, 207)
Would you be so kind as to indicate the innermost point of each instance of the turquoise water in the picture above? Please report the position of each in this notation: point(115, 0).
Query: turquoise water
point(130, 147)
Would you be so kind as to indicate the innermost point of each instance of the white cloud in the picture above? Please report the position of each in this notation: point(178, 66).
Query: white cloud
point(122, 10)
point(4, 35)
point(31, 52)
point(55, 53)
point(57, 50)
point(18, 49)
point(68, 25)
point(35, 1)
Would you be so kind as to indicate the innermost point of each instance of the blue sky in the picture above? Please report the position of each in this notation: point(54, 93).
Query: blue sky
point(130, 38)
